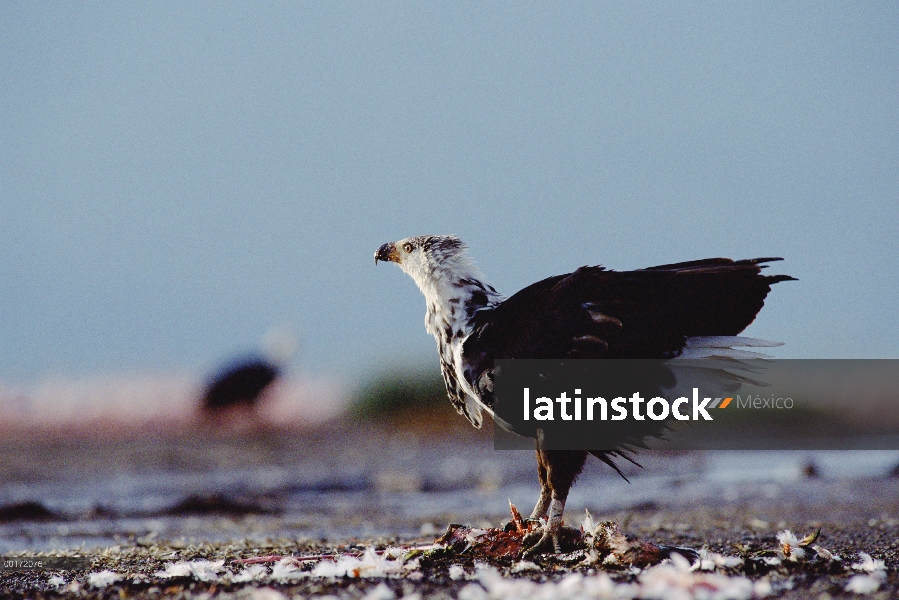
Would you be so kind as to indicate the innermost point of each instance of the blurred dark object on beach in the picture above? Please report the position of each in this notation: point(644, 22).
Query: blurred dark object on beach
point(28, 510)
point(234, 390)
point(239, 384)
point(216, 504)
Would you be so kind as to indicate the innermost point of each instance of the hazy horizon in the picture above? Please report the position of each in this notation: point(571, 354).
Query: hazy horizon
point(178, 178)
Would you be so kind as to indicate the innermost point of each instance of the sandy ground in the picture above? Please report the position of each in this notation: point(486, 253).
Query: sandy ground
point(146, 507)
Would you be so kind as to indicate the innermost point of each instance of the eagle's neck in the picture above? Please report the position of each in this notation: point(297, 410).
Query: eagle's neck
point(453, 293)
point(453, 296)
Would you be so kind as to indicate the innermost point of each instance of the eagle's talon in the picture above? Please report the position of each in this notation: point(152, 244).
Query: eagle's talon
point(540, 546)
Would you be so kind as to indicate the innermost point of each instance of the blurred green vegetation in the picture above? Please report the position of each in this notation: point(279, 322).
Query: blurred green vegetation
point(401, 391)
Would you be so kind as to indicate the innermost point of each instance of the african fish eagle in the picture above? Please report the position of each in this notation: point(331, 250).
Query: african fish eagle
point(658, 312)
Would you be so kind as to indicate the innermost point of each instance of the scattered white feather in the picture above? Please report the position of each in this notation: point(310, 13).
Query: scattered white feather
point(380, 592)
point(574, 585)
point(369, 565)
point(525, 565)
point(201, 570)
point(394, 553)
point(763, 588)
point(287, 569)
point(865, 584)
point(264, 594)
point(456, 572)
point(677, 580)
point(56, 581)
point(251, 573)
point(473, 591)
point(179, 569)
point(588, 524)
point(103, 578)
point(668, 581)
point(869, 564)
point(825, 554)
point(790, 546)
point(709, 561)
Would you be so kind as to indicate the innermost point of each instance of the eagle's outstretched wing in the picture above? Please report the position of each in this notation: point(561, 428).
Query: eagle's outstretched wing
point(595, 313)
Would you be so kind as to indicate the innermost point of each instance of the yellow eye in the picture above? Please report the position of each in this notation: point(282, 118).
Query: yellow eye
point(407, 247)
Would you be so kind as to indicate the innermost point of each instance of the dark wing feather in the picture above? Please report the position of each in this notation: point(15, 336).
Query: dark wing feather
point(595, 313)
point(662, 306)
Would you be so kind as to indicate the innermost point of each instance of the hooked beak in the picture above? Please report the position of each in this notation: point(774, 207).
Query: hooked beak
point(387, 252)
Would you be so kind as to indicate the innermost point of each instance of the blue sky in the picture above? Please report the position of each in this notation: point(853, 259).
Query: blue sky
point(176, 178)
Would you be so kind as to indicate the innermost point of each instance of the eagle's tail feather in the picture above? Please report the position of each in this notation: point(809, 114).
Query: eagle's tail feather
point(607, 455)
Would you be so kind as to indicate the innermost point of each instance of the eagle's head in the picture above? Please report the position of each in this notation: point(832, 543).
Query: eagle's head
point(426, 257)
point(453, 291)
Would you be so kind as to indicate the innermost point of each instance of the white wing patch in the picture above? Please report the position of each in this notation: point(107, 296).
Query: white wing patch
point(472, 401)
point(725, 346)
point(474, 411)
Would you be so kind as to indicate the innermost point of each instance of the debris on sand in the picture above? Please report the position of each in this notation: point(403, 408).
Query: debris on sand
point(26, 511)
point(792, 548)
point(481, 543)
point(606, 544)
point(599, 560)
point(201, 570)
point(676, 579)
point(868, 564)
point(215, 504)
point(103, 578)
point(592, 544)
point(865, 584)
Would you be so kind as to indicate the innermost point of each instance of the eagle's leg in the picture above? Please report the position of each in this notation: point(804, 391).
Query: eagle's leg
point(557, 469)
point(543, 502)
point(542, 506)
